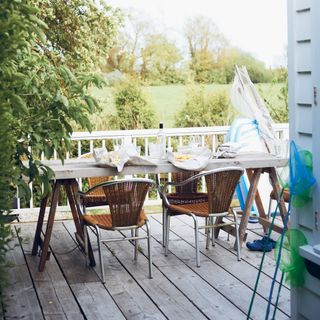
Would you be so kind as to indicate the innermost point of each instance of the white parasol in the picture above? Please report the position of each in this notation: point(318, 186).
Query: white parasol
point(246, 99)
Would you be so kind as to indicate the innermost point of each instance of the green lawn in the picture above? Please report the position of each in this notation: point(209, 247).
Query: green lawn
point(167, 100)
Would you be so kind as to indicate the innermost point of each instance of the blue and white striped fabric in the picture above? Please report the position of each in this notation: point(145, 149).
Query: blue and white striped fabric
point(245, 132)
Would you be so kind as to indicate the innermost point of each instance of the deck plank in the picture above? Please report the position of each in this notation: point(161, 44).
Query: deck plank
point(172, 302)
point(220, 289)
point(21, 299)
point(133, 302)
point(56, 298)
point(220, 269)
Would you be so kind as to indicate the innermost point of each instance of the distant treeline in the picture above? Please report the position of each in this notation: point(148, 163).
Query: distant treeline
point(142, 52)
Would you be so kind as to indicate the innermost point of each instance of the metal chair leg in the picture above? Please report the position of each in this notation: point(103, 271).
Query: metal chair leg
point(149, 248)
point(196, 237)
point(100, 254)
point(136, 243)
point(86, 244)
point(213, 238)
point(164, 222)
point(167, 235)
point(237, 235)
point(207, 232)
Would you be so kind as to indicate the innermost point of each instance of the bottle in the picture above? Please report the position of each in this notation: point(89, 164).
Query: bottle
point(161, 141)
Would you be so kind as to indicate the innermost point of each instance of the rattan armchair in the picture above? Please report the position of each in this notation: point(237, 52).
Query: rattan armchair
point(125, 199)
point(183, 194)
point(221, 184)
point(96, 197)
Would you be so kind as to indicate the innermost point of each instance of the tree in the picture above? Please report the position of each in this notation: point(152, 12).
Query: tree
point(256, 69)
point(126, 53)
point(42, 91)
point(159, 59)
point(203, 109)
point(205, 43)
point(80, 33)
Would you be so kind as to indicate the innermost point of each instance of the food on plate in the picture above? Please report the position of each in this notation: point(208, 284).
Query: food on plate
point(182, 157)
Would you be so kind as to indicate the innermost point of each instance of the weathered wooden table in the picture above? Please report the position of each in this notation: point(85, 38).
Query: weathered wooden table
point(66, 175)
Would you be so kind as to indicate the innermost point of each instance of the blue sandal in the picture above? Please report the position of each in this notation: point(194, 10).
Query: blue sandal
point(263, 244)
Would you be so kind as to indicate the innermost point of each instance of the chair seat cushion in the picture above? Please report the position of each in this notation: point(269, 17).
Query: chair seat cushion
point(199, 209)
point(286, 195)
point(104, 221)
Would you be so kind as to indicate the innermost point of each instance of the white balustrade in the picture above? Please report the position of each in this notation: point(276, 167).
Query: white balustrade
point(86, 141)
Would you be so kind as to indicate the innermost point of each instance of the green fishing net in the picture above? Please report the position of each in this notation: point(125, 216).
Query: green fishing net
point(291, 262)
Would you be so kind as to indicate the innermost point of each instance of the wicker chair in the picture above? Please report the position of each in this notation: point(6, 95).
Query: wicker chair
point(125, 199)
point(184, 194)
point(97, 196)
point(221, 184)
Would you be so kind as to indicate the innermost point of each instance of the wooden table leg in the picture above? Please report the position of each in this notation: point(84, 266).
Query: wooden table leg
point(277, 190)
point(37, 237)
point(47, 237)
point(249, 202)
point(262, 213)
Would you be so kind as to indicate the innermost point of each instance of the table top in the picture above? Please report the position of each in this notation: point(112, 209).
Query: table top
point(80, 168)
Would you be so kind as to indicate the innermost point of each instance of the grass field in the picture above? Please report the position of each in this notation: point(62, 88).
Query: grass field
point(168, 100)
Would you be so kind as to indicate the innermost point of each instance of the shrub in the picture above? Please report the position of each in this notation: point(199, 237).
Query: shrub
point(204, 109)
point(133, 107)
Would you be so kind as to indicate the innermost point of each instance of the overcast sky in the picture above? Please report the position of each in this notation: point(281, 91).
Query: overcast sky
point(256, 26)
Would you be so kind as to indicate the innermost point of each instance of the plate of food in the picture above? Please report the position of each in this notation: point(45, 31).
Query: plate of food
point(195, 160)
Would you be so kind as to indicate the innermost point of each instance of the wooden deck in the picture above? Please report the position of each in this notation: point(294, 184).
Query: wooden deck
point(220, 289)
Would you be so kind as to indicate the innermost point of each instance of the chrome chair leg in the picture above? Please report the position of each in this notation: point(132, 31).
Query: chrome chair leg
point(207, 221)
point(149, 248)
point(164, 222)
point(100, 254)
point(136, 243)
point(213, 238)
point(196, 237)
point(86, 244)
point(237, 235)
point(167, 235)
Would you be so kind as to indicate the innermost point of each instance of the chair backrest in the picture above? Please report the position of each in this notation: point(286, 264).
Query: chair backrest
point(125, 199)
point(188, 188)
point(93, 181)
point(221, 185)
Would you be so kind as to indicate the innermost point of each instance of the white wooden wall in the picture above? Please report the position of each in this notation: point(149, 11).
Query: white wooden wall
point(304, 78)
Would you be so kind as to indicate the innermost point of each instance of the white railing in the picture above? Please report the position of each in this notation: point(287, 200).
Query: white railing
point(86, 142)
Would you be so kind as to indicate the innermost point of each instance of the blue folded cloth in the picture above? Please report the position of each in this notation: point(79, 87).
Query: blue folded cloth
point(263, 244)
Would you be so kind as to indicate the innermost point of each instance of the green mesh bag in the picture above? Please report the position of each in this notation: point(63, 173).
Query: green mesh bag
point(291, 263)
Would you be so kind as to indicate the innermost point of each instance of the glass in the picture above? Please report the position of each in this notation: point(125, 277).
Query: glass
point(155, 150)
point(281, 148)
point(194, 141)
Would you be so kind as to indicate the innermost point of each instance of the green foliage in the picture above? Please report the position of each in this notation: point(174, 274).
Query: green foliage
point(80, 33)
point(204, 109)
point(279, 112)
point(42, 91)
point(133, 107)
point(159, 58)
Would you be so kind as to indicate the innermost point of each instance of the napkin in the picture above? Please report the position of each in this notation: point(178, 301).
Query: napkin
point(116, 158)
point(227, 150)
point(127, 154)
